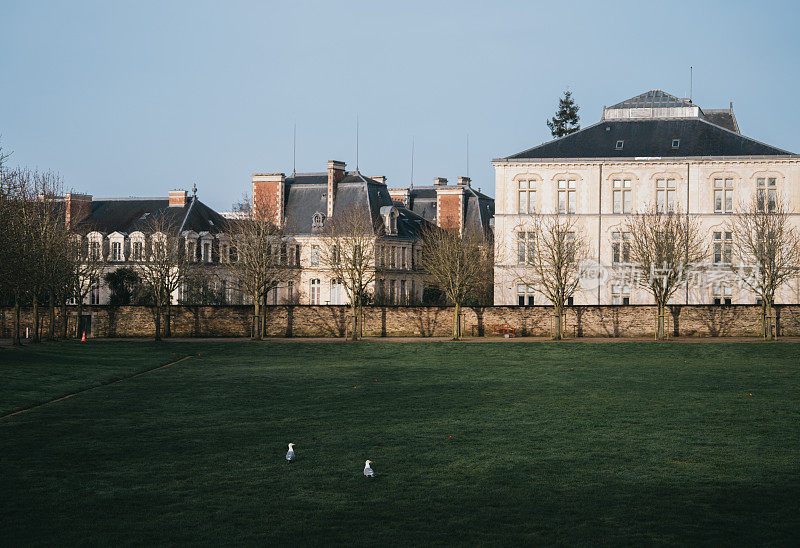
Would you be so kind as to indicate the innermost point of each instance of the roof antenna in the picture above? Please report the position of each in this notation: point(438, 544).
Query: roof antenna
point(690, 84)
point(467, 154)
point(412, 163)
point(294, 150)
point(356, 143)
point(194, 190)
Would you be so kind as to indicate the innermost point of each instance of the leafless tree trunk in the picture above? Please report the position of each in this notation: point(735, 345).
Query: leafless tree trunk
point(664, 246)
point(348, 252)
point(458, 264)
point(261, 263)
point(767, 249)
point(164, 266)
point(549, 251)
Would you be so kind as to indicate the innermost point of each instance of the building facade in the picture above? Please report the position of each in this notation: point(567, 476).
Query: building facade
point(115, 232)
point(651, 150)
point(452, 207)
point(304, 204)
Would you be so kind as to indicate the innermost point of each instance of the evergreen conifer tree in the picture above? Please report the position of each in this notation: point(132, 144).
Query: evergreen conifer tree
point(566, 119)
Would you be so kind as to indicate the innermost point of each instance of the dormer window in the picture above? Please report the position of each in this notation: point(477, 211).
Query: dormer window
point(619, 145)
point(116, 251)
point(317, 220)
point(94, 250)
point(676, 143)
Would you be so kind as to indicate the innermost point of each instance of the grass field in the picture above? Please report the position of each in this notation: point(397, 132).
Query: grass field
point(543, 443)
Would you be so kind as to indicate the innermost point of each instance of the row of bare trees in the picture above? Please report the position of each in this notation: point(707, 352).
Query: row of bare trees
point(664, 247)
point(36, 256)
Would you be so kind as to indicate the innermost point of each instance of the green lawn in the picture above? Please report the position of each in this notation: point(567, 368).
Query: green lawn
point(537, 443)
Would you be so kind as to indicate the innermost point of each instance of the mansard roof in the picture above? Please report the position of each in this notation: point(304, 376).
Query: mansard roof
point(129, 215)
point(655, 124)
point(478, 207)
point(307, 193)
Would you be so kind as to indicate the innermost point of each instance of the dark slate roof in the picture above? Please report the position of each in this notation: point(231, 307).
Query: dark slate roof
point(307, 193)
point(651, 138)
point(479, 208)
point(654, 98)
point(129, 215)
point(722, 118)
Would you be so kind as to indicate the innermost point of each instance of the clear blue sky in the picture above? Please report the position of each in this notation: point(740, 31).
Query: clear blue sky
point(136, 98)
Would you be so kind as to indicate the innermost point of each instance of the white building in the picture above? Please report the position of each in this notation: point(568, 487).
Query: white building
point(651, 149)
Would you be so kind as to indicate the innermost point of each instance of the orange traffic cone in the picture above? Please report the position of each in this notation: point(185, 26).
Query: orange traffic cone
point(83, 339)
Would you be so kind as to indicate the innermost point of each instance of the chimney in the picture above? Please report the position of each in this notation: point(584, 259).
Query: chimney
point(268, 195)
point(335, 174)
point(76, 208)
point(464, 181)
point(380, 179)
point(439, 181)
point(178, 198)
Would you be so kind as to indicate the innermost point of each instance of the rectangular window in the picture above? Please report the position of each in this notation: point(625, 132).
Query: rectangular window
point(297, 255)
point(94, 294)
point(392, 261)
point(402, 292)
point(290, 291)
point(116, 251)
point(207, 252)
point(723, 244)
point(137, 251)
point(335, 255)
point(524, 295)
point(315, 291)
point(676, 143)
point(723, 195)
point(391, 292)
point(402, 257)
point(665, 195)
point(94, 250)
point(525, 243)
point(722, 294)
point(619, 145)
point(314, 255)
point(767, 194)
point(622, 196)
point(566, 196)
point(284, 255)
point(620, 294)
point(527, 197)
point(620, 247)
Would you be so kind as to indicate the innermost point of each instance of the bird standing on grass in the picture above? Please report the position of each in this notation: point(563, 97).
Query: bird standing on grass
point(368, 469)
point(290, 453)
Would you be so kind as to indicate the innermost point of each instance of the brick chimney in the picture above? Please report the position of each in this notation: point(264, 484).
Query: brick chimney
point(335, 174)
point(439, 181)
point(464, 181)
point(268, 195)
point(450, 207)
point(76, 208)
point(178, 198)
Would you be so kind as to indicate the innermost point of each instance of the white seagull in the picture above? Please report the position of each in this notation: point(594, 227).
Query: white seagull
point(290, 453)
point(368, 470)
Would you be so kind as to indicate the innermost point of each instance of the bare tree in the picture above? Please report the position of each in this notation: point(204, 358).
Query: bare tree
point(17, 204)
point(348, 252)
point(85, 267)
point(259, 259)
point(767, 248)
point(163, 267)
point(664, 246)
point(459, 265)
point(550, 249)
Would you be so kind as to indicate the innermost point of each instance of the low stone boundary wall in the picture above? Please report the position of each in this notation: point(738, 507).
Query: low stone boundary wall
point(420, 321)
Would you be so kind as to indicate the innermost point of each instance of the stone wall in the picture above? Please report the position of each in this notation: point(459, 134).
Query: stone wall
point(420, 321)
